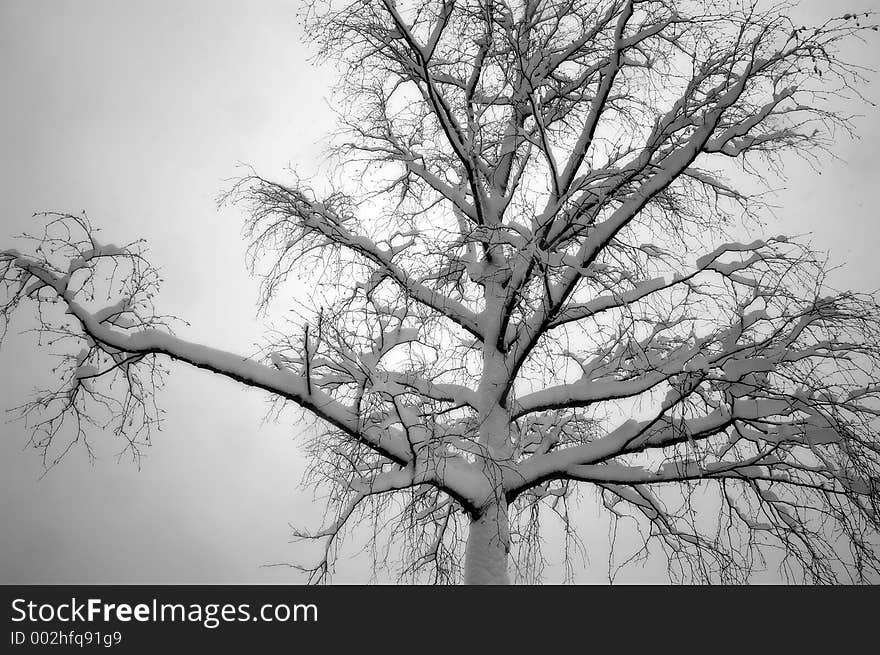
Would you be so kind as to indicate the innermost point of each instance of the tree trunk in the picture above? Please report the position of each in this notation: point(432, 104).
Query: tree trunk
point(488, 543)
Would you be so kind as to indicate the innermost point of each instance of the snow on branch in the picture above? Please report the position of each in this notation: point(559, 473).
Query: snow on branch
point(121, 337)
point(287, 221)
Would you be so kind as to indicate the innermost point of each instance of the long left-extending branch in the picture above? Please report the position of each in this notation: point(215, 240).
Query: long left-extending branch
point(126, 331)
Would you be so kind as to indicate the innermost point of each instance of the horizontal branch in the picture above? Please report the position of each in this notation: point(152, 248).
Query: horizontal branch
point(458, 478)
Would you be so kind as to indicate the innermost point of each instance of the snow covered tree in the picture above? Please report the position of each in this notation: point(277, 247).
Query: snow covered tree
point(533, 271)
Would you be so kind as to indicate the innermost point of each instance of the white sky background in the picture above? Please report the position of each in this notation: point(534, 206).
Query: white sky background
point(137, 113)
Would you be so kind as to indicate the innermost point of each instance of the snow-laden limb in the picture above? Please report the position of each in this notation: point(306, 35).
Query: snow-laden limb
point(286, 220)
point(68, 256)
point(729, 375)
point(640, 290)
point(775, 422)
point(122, 335)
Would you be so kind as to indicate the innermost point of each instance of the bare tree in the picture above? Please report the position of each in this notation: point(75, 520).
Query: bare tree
point(527, 279)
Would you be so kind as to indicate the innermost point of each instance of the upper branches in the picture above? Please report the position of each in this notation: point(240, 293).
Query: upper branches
point(541, 131)
point(288, 222)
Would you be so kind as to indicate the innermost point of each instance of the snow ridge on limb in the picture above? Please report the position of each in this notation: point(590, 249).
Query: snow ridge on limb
point(125, 334)
point(773, 418)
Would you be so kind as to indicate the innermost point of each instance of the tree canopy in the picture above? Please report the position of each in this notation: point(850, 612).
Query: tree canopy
point(530, 277)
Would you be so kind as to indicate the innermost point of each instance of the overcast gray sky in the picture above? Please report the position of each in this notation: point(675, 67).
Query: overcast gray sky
point(137, 113)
